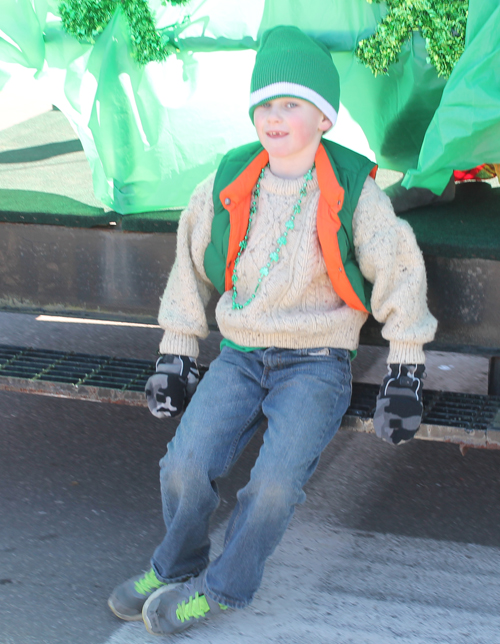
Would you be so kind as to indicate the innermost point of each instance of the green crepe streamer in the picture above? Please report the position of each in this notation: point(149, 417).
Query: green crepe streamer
point(86, 19)
point(442, 23)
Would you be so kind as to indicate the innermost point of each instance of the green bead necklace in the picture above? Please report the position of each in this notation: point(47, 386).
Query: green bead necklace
point(280, 242)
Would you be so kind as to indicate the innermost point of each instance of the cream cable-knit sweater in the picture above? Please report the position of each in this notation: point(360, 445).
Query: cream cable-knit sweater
point(296, 306)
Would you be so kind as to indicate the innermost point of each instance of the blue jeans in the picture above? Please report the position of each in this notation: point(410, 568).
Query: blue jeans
point(303, 394)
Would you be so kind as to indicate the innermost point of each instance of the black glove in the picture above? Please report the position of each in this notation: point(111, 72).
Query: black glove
point(169, 390)
point(399, 408)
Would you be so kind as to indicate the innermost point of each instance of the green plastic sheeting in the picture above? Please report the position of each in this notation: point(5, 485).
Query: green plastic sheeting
point(152, 133)
point(465, 130)
point(22, 22)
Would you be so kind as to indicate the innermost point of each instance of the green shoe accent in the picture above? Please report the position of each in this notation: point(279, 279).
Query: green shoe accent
point(147, 583)
point(196, 607)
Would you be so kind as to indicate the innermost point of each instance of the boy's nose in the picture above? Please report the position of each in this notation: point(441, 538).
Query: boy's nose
point(274, 115)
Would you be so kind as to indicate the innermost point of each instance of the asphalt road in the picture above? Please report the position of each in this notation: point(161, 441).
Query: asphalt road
point(392, 545)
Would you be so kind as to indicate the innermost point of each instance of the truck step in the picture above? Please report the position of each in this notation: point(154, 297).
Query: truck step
point(468, 419)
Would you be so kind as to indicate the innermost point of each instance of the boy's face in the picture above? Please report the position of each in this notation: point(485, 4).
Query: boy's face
point(290, 129)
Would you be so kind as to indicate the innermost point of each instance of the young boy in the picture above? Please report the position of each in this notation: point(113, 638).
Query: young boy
point(287, 230)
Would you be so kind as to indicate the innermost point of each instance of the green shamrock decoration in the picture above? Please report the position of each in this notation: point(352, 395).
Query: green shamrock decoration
point(441, 22)
point(86, 19)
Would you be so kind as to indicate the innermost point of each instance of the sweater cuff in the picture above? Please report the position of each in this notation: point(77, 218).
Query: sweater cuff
point(182, 345)
point(405, 353)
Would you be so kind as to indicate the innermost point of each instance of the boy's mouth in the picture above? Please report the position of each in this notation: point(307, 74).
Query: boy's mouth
point(276, 134)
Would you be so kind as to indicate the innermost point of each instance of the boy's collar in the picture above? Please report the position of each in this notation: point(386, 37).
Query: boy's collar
point(243, 185)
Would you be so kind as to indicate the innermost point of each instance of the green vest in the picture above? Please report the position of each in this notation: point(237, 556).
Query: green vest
point(351, 170)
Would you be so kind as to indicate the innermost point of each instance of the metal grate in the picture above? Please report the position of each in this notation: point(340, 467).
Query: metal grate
point(448, 416)
point(74, 368)
point(445, 408)
point(74, 375)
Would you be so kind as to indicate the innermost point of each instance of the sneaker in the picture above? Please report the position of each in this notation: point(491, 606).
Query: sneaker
point(127, 599)
point(169, 611)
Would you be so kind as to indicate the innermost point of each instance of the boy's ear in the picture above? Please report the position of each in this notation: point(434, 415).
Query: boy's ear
point(325, 124)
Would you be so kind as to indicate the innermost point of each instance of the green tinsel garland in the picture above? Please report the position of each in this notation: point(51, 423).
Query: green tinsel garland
point(86, 19)
point(442, 23)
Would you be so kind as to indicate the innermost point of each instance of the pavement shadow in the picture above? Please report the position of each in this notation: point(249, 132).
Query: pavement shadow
point(433, 492)
point(40, 152)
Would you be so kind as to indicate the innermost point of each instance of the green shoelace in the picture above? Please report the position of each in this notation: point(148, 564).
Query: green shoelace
point(196, 607)
point(147, 583)
point(280, 242)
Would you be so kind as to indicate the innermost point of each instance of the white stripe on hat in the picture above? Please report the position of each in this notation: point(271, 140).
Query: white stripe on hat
point(293, 89)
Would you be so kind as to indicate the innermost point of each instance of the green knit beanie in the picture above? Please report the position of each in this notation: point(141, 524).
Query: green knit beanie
point(290, 63)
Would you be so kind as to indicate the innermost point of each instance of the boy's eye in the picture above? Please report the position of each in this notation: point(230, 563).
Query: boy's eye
point(291, 104)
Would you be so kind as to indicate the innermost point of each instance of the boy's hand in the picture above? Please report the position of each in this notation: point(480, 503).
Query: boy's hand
point(169, 390)
point(399, 408)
